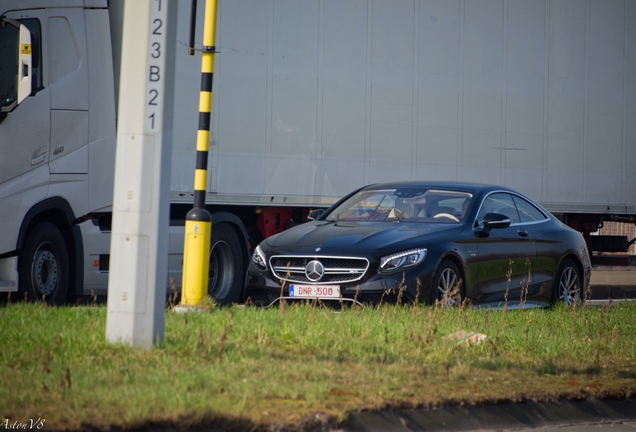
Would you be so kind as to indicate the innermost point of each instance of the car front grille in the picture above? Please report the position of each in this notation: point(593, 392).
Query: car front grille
point(336, 269)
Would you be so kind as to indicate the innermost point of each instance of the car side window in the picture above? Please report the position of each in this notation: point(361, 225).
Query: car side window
point(501, 203)
point(527, 211)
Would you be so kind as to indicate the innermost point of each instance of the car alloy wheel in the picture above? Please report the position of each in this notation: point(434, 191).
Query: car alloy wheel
point(448, 285)
point(569, 284)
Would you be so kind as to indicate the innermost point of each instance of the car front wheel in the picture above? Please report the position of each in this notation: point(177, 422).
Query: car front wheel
point(448, 285)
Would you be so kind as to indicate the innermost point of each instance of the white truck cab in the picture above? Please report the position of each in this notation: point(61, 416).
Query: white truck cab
point(57, 141)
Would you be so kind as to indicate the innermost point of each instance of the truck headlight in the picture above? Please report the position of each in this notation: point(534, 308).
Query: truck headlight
point(258, 259)
point(401, 260)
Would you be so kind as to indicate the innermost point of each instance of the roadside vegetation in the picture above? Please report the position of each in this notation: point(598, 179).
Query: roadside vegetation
point(302, 364)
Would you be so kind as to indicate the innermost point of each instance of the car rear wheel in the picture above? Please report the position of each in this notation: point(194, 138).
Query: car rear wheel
point(43, 265)
point(568, 284)
point(448, 285)
point(226, 270)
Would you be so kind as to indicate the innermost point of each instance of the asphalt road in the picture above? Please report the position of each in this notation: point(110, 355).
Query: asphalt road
point(613, 282)
point(587, 415)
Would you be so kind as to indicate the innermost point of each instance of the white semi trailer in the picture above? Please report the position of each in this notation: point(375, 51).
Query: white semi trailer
point(312, 99)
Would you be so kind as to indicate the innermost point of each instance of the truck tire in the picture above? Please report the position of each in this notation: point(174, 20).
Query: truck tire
point(227, 272)
point(43, 265)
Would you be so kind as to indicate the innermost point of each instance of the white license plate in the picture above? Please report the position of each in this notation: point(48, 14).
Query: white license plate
point(314, 291)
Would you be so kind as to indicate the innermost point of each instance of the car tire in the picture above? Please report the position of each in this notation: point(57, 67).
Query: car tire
point(568, 284)
point(43, 265)
point(227, 271)
point(448, 285)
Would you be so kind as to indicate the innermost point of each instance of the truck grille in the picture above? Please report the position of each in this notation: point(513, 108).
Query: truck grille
point(335, 269)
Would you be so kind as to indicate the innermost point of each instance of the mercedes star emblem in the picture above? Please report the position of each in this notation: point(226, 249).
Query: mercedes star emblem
point(314, 270)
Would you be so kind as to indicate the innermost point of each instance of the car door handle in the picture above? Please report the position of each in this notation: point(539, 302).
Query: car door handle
point(522, 232)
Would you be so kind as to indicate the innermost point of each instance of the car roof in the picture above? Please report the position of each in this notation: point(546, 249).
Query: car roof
point(459, 186)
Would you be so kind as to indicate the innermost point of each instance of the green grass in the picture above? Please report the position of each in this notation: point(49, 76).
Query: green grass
point(243, 368)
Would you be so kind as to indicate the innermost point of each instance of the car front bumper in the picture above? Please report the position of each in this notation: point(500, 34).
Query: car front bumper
point(407, 286)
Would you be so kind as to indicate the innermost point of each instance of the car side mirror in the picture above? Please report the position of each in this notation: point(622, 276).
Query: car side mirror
point(496, 220)
point(314, 214)
point(492, 221)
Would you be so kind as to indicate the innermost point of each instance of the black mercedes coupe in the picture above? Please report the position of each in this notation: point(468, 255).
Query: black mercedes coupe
point(425, 242)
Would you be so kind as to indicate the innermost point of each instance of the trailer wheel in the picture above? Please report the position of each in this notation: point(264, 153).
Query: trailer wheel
point(43, 265)
point(226, 272)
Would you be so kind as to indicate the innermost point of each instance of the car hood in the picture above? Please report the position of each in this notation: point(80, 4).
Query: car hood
point(361, 237)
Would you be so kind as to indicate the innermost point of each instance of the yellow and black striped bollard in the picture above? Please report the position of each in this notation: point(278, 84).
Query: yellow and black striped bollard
point(198, 225)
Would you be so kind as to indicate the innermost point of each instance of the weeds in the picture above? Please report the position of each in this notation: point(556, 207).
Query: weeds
point(172, 293)
point(599, 337)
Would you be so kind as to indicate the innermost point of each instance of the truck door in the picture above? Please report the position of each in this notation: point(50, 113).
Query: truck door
point(53, 123)
point(25, 131)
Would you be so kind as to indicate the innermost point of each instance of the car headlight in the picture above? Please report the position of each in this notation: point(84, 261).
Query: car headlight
point(258, 259)
point(398, 261)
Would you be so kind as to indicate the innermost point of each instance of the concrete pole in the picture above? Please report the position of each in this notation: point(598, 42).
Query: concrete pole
point(139, 242)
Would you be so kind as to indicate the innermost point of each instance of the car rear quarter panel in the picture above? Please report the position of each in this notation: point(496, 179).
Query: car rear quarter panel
point(555, 243)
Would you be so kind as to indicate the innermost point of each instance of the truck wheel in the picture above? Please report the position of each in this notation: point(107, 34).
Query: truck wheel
point(43, 265)
point(567, 284)
point(226, 273)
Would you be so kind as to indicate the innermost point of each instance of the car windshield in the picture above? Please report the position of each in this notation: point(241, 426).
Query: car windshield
point(415, 204)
